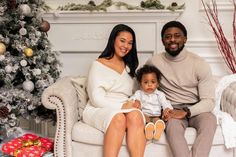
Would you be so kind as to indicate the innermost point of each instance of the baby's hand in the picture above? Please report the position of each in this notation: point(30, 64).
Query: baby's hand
point(166, 111)
point(166, 115)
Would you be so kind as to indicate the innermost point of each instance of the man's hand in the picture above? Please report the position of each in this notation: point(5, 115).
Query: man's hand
point(177, 114)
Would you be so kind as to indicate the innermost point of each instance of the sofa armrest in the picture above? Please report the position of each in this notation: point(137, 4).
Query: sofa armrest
point(228, 100)
point(62, 96)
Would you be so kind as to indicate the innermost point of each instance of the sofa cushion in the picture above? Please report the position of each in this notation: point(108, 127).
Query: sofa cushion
point(84, 133)
point(79, 83)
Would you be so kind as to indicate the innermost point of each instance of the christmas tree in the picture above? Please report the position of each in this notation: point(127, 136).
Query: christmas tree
point(27, 63)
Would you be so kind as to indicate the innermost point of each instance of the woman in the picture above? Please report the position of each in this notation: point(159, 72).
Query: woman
point(110, 83)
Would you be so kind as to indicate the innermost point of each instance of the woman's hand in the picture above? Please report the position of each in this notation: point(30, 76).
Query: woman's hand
point(131, 104)
point(137, 104)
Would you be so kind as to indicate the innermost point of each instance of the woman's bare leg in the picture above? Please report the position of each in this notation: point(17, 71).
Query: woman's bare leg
point(114, 136)
point(136, 140)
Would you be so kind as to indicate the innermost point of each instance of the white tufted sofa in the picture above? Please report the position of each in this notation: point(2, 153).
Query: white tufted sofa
point(73, 138)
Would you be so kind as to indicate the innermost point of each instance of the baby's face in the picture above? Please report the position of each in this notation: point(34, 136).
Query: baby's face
point(149, 83)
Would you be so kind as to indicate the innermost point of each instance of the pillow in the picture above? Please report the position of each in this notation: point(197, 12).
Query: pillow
point(79, 83)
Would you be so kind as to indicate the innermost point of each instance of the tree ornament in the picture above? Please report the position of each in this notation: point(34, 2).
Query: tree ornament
point(8, 69)
point(36, 72)
point(25, 9)
point(23, 63)
point(2, 58)
point(23, 31)
point(28, 86)
point(2, 48)
point(28, 52)
point(4, 111)
point(38, 34)
point(44, 26)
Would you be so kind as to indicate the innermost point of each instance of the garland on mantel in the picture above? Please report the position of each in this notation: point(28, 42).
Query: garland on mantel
point(108, 5)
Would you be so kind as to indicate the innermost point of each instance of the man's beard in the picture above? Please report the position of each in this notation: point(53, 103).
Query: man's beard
point(174, 53)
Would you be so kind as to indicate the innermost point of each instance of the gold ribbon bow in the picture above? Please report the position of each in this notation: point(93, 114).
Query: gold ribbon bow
point(29, 143)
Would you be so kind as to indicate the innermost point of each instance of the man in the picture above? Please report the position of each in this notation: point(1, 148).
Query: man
point(187, 82)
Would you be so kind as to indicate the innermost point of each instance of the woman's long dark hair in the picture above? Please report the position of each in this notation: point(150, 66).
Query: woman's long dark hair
point(131, 59)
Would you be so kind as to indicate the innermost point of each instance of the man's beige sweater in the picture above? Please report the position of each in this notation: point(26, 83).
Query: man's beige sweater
point(186, 78)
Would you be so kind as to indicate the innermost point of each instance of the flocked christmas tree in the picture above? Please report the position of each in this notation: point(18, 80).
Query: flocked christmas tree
point(27, 63)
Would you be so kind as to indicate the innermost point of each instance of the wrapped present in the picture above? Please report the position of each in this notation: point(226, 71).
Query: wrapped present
point(28, 145)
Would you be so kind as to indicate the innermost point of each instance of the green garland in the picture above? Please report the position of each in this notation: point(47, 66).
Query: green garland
point(91, 6)
point(148, 4)
point(152, 4)
point(174, 6)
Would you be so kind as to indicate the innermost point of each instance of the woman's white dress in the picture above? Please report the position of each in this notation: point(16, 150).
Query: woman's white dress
point(108, 90)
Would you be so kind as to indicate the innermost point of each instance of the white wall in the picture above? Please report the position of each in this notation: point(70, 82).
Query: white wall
point(81, 37)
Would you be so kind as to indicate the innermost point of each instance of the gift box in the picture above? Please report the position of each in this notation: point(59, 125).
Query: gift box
point(28, 145)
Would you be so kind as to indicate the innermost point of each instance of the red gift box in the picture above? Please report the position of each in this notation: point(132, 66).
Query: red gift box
point(28, 145)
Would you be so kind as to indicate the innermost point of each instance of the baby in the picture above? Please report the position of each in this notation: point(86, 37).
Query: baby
point(151, 100)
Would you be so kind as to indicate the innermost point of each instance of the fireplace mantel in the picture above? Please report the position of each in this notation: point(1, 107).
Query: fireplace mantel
point(116, 16)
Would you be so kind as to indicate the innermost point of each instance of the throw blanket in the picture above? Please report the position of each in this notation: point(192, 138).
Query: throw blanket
point(227, 123)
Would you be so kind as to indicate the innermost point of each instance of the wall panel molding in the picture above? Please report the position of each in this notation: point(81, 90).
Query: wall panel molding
point(204, 43)
point(222, 5)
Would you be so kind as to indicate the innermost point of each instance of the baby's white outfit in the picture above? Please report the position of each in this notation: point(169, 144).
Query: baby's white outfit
point(151, 104)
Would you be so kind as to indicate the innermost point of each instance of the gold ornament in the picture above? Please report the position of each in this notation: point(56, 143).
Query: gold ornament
point(2, 48)
point(44, 26)
point(28, 52)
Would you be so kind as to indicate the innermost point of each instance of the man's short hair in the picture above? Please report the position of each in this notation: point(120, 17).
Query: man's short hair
point(173, 24)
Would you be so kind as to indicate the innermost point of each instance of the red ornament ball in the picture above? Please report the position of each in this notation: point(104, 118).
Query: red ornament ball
point(44, 26)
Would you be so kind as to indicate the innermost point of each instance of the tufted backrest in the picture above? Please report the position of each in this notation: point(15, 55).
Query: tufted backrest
point(228, 98)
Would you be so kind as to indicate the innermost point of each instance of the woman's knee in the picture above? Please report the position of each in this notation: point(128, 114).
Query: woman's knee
point(119, 121)
point(135, 117)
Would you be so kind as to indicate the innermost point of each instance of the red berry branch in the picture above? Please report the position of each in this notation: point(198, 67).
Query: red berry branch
point(222, 42)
